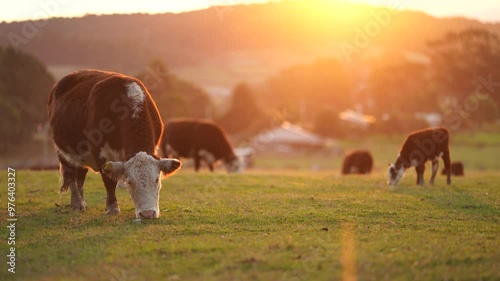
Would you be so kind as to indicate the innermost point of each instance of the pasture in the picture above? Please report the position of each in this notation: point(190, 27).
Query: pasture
point(262, 225)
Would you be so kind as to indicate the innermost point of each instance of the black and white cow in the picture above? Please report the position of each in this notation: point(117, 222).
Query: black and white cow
point(201, 140)
point(457, 169)
point(417, 149)
point(108, 122)
point(357, 162)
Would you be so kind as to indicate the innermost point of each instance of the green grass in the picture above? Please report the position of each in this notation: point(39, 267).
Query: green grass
point(263, 225)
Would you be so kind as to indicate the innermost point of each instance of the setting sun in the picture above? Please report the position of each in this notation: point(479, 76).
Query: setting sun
point(323, 10)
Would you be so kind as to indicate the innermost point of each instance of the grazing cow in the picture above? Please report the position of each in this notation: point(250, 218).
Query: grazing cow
point(457, 169)
point(201, 140)
point(357, 162)
point(417, 149)
point(108, 122)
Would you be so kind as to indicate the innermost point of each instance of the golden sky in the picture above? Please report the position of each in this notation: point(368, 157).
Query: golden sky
point(17, 10)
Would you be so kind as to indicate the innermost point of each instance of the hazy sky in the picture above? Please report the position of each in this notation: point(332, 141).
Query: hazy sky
point(16, 10)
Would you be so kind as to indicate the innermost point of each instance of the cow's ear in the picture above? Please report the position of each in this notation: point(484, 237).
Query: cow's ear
point(169, 166)
point(114, 170)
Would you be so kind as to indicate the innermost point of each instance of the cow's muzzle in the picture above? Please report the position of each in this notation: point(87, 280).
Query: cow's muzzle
point(150, 214)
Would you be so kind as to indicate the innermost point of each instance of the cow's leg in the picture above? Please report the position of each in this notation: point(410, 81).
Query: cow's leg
point(73, 179)
point(435, 166)
point(206, 157)
point(80, 179)
point(420, 173)
point(197, 162)
point(447, 165)
point(111, 202)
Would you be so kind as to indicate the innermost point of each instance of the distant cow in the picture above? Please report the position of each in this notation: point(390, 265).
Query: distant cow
point(201, 140)
point(457, 169)
point(108, 122)
point(357, 162)
point(417, 149)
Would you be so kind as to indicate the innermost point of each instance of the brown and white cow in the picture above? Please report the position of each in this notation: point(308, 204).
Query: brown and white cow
point(108, 122)
point(417, 149)
point(201, 140)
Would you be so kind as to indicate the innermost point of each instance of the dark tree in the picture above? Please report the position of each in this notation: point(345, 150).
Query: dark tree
point(173, 96)
point(400, 87)
point(24, 86)
point(465, 64)
point(244, 113)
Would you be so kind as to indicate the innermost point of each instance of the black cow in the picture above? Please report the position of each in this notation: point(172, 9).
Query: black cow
point(417, 149)
point(201, 140)
point(108, 122)
point(357, 162)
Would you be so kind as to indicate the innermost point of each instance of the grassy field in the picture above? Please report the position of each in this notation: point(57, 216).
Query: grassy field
point(262, 225)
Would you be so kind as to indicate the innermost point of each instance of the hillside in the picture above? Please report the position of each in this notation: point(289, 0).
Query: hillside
point(219, 46)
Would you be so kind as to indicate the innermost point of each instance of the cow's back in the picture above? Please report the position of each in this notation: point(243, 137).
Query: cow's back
point(76, 83)
point(215, 141)
point(429, 142)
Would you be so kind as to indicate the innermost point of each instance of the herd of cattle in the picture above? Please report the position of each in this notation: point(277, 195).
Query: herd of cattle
point(109, 123)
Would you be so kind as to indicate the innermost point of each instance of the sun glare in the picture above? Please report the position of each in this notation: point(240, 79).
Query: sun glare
point(319, 16)
point(343, 12)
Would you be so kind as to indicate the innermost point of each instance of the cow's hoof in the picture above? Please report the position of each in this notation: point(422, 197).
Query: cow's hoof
point(80, 206)
point(112, 209)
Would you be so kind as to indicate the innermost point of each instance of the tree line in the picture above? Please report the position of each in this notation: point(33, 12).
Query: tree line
point(459, 78)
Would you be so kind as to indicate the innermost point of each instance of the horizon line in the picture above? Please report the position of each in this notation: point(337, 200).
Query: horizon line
point(83, 15)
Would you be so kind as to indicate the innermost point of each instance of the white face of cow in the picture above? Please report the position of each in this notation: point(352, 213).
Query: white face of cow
point(233, 166)
point(395, 174)
point(142, 175)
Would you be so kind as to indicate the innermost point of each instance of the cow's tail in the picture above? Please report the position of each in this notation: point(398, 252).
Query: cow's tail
point(69, 176)
point(66, 182)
